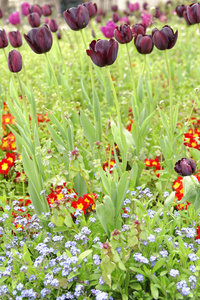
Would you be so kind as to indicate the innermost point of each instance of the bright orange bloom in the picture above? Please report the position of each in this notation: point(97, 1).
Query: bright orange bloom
point(85, 203)
point(4, 166)
point(10, 158)
point(7, 119)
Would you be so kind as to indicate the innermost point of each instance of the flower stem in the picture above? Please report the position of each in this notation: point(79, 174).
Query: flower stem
point(134, 88)
point(170, 94)
point(57, 89)
point(116, 102)
point(24, 99)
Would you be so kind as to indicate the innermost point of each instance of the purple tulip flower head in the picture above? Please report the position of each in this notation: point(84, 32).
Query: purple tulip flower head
point(108, 30)
point(98, 19)
point(15, 38)
point(3, 39)
point(146, 19)
point(158, 13)
point(193, 13)
point(103, 52)
point(34, 19)
point(143, 43)
point(138, 29)
point(14, 61)
point(134, 7)
point(165, 38)
point(185, 167)
point(39, 39)
point(180, 9)
point(145, 5)
point(14, 18)
point(114, 8)
point(115, 17)
point(35, 9)
point(77, 18)
point(124, 20)
point(186, 18)
point(92, 8)
point(25, 8)
point(46, 10)
point(53, 25)
point(123, 34)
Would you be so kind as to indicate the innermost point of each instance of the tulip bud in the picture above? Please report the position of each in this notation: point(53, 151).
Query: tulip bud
point(114, 8)
point(158, 13)
point(39, 39)
point(123, 34)
point(145, 5)
point(53, 25)
point(1, 14)
point(115, 17)
point(25, 9)
point(165, 38)
point(98, 19)
point(14, 18)
point(59, 36)
point(185, 167)
point(186, 18)
point(77, 18)
point(143, 43)
point(3, 39)
point(138, 29)
point(15, 38)
point(14, 61)
point(34, 19)
point(180, 9)
point(46, 10)
point(92, 8)
point(35, 9)
point(103, 52)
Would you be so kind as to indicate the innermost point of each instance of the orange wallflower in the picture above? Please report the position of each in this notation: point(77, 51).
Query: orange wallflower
point(7, 119)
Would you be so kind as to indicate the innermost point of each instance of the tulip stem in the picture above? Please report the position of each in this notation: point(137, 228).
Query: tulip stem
point(144, 65)
point(24, 99)
point(93, 27)
point(57, 88)
point(63, 63)
point(135, 109)
point(90, 66)
point(116, 103)
point(170, 94)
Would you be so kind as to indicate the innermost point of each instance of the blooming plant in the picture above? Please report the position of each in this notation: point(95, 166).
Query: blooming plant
point(99, 162)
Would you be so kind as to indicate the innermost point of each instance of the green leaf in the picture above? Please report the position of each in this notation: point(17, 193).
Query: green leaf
point(88, 129)
point(97, 113)
point(140, 93)
point(158, 265)
point(164, 121)
point(170, 199)
point(124, 297)
point(145, 124)
point(175, 118)
point(121, 192)
point(105, 181)
point(83, 255)
point(133, 175)
point(57, 139)
point(154, 291)
point(137, 270)
point(105, 213)
point(85, 94)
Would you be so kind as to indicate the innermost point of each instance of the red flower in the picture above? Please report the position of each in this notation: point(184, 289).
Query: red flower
point(10, 158)
point(7, 119)
point(106, 165)
point(4, 166)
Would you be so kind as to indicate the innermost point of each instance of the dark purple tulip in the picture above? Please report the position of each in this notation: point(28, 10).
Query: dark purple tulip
point(46, 10)
point(15, 38)
point(77, 18)
point(14, 61)
point(39, 39)
point(115, 17)
point(193, 13)
point(1, 14)
point(123, 34)
point(114, 8)
point(34, 20)
point(98, 19)
point(186, 18)
point(180, 9)
point(53, 25)
point(145, 5)
point(103, 52)
point(158, 13)
point(35, 9)
point(165, 38)
point(185, 167)
point(92, 8)
point(143, 43)
point(3, 39)
point(138, 29)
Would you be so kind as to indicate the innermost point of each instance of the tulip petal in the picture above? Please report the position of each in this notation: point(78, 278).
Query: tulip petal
point(160, 40)
point(174, 40)
point(70, 21)
point(82, 17)
point(112, 53)
point(97, 58)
